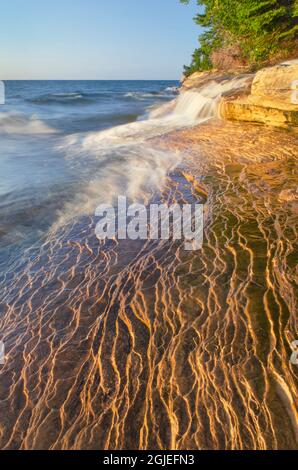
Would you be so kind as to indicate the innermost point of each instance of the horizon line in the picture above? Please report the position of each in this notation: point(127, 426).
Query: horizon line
point(91, 79)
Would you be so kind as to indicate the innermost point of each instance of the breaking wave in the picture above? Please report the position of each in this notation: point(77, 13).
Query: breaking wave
point(63, 98)
point(129, 345)
point(17, 123)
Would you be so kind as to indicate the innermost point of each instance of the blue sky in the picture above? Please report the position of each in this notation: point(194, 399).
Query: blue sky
point(96, 39)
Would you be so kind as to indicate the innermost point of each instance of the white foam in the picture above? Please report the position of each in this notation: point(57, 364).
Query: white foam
point(290, 62)
point(17, 123)
point(190, 108)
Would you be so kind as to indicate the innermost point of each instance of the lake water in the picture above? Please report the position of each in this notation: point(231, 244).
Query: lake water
point(41, 127)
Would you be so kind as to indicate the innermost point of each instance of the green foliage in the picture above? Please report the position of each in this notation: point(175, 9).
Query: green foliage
point(260, 28)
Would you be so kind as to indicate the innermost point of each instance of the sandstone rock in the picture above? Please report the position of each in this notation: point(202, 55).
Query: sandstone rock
point(251, 110)
point(199, 79)
point(273, 99)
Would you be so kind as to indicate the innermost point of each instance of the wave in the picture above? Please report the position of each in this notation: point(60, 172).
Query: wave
point(77, 97)
point(172, 90)
point(138, 95)
point(80, 97)
point(17, 123)
point(136, 172)
point(142, 96)
point(128, 163)
point(61, 98)
point(67, 95)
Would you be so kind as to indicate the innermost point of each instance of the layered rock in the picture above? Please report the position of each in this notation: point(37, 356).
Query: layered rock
point(200, 79)
point(273, 99)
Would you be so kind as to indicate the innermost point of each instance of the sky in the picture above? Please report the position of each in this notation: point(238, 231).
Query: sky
point(96, 39)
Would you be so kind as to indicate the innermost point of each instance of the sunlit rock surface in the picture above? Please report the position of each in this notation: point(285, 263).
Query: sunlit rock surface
point(143, 345)
point(200, 79)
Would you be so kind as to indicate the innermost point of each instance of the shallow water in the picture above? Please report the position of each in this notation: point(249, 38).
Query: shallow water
point(142, 345)
point(37, 176)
